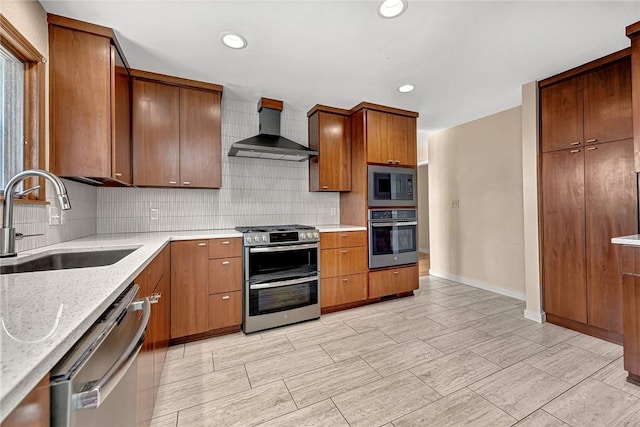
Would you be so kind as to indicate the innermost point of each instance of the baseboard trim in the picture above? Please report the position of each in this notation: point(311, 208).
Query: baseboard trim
point(423, 250)
point(480, 285)
point(536, 317)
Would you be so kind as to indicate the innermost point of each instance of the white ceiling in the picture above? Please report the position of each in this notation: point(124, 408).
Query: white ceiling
point(466, 59)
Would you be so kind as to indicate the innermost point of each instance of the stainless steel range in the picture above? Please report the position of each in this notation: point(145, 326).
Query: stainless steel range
point(281, 276)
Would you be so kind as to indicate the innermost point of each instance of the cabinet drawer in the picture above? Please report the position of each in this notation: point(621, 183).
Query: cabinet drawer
point(342, 262)
point(225, 275)
point(225, 309)
point(343, 289)
point(393, 281)
point(225, 248)
point(343, 239)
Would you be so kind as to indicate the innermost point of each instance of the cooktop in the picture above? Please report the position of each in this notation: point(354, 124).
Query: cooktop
point(272, 228)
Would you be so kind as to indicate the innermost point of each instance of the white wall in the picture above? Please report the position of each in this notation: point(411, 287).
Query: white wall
point(254, 191)
point(423, 208)
point(480, 164)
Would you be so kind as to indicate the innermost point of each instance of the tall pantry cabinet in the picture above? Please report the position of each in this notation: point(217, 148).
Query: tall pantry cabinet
point(589, 193)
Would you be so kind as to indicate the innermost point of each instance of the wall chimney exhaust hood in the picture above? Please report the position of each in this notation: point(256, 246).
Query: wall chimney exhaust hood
point(268, 144)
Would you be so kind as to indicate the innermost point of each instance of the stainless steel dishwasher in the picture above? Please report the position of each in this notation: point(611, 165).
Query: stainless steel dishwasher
point(95, 383)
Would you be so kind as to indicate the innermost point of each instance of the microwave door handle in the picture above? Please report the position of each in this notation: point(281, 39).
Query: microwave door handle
point(99, 392)
point(283, 283)
point(283, 248)
point(393, 224)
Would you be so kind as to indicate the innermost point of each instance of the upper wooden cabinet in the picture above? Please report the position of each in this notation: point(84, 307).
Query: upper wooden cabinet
point(591, 107)
point(90, 99)
point(391, 139)
point(176, 132)
point(330, 136)
point(633, 32)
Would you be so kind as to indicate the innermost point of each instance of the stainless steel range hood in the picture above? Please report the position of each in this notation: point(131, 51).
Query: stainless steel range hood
point(268, 144)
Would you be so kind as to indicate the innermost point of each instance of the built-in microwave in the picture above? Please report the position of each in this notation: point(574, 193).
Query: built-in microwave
point(392, 186)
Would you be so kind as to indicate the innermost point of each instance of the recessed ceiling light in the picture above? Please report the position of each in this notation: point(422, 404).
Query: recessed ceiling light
point(391, 8)
point(405, 88)
point(234, 40)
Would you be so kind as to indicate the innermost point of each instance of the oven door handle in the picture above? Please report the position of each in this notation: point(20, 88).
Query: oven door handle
point(283, 248)
point(283, 283)
point(393, 224)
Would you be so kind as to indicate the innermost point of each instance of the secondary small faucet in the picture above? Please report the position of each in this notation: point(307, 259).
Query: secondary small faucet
point(8, 233)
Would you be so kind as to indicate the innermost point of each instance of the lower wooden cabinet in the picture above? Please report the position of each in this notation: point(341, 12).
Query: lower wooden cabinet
point(343, 261)
point(631, 311)
point(33, 410)
point(225, 310)
point(343, 289)
point(225, 274)
point(393, 281)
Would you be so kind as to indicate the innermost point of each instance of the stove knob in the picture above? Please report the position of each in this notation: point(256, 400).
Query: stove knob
point(309, 236)
point(264, 238)
point(248, 239)
point(316, 235)
point(303, 236)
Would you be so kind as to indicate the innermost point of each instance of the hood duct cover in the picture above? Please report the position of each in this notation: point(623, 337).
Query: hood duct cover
point(268, 144)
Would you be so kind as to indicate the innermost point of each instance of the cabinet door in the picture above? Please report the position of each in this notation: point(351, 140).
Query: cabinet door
point(343, 289)
point(189, 288)
point(225, 310)
point(631, 314)
point(611, 206)
point(80, 104)
point(200, 147)
point(561, 115)
point(380, 139)
point(34, 409)
point(343, 261)
point(393, 281)
point(404, 140)
point(330, 240)
point(563, 220)
point(121, 113)
point(225, 275)
point(156, 136)
point(607, 103)
point(334, 160)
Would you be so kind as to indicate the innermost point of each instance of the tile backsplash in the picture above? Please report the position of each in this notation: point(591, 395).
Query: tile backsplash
point(254, 191)
point(80, 221)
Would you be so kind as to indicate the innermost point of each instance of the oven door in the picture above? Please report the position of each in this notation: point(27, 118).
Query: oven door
point(393, 243)
point(273, 297)
point(279, 263)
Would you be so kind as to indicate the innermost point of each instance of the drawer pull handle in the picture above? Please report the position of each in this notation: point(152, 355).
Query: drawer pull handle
point(186, 182)
point(324, 187)
point(173, 182)
point(592, 148)
point(202, 244)
point(345, 280)
point(396, 272)
point(397, 162)
point(226, 297)
point(225, 262)
point(118, 174)
point(575, 143)
point(592, 140)
point(344, 235)
point(344, 252)
point(574, 151)
point(226, 242)
point(390, 161)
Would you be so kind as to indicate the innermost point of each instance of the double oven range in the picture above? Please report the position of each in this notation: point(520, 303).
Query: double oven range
point(281, 275)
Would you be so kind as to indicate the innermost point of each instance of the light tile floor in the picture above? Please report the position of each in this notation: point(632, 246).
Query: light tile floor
point(452, 355)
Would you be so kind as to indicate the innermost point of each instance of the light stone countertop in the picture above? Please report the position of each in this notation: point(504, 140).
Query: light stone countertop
point(631, 240)
point(43, 314)
point(339, 227)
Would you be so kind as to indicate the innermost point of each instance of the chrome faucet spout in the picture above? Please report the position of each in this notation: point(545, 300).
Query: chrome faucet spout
point(8, 233)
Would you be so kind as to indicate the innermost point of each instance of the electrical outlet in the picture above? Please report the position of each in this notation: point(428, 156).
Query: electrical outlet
point(154, 214)
point(455, 204)
point(55, 215)
point(334, 211)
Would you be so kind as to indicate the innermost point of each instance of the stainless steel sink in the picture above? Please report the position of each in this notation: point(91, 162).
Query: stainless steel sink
point(67, 260)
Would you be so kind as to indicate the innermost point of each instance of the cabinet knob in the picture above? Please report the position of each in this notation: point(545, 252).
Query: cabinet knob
point(202, 244)
point(575, 143)
point(173, 182)
point(226, 297)
point(225, 262)
point(592, 140)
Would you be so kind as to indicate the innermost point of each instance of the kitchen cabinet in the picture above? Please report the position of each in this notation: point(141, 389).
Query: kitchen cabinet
point(393, 281)
point(225, 283)
point(633, 32)
point(343, 274)
point(589, 195)
point(176, 132)
point(189, 288)
point(631, 312)
point(391, 138)
point(90, 101)
point(592, 107)
point(330, 136)
point(33, 410)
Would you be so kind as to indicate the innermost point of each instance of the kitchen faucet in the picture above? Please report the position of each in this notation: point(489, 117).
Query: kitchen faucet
point(8, 233)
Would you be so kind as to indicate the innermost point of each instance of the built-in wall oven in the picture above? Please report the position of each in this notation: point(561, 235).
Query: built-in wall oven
point(281, 276)
point(393, 237)
point(391, 186)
